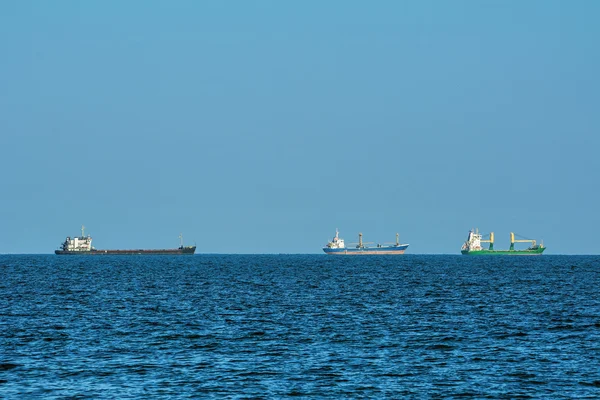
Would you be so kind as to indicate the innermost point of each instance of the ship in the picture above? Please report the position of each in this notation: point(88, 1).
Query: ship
point(472, 246)
point(82, 245)
point(337, 246)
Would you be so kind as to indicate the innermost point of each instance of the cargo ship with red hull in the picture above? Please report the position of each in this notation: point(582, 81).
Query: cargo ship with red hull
point(82, 245)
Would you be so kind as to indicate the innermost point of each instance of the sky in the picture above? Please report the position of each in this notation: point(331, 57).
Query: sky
point(262, 126)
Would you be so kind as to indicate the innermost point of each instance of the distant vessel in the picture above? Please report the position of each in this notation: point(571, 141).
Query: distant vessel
point(82, 245)
point(337, 246)
point(472, 246)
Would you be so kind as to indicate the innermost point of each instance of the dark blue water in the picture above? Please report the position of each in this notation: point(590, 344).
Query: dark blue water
point(310, 326)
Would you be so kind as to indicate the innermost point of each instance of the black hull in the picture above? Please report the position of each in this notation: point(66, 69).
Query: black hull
point(180, 251)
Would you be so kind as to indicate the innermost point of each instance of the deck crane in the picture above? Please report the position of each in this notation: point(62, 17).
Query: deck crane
point(360, 243)
point(490, 241)
point(513, 241)
point(396, 243)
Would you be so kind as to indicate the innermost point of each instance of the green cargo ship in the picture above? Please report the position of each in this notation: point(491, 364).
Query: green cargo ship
point(472, 246)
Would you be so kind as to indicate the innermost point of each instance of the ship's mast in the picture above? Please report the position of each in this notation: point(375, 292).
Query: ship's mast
point(181, 239)
point(360, 245)
point(397, 240)
point(82, 229)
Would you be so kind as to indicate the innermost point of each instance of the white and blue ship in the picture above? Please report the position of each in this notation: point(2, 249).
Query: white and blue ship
point(337, 246)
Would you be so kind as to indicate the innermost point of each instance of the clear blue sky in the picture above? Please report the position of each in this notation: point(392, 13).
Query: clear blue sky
point(262, 126)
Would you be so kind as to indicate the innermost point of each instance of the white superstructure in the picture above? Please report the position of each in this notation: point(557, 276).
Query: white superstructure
point(82, 243)
point(336, 242)
point(473, 241)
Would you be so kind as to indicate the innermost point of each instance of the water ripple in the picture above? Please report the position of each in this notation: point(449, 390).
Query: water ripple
point(299, 326)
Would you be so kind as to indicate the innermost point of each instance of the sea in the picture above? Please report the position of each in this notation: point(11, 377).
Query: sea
point(302, 326)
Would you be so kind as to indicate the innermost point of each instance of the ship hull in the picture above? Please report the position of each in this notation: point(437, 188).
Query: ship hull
point(185, 250)
point(391, 250)
point(533, 252)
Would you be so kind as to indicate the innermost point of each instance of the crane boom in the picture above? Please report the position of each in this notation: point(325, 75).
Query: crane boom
point(490, 240)
point(513, 241)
